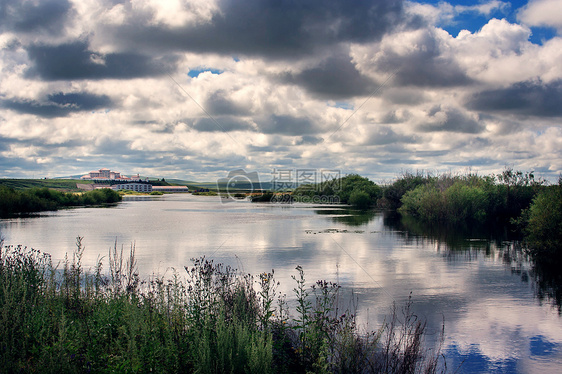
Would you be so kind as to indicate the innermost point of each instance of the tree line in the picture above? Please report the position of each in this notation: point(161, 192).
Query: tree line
point(512, 197)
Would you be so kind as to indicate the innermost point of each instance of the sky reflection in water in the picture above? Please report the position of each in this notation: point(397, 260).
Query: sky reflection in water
point(478, 283)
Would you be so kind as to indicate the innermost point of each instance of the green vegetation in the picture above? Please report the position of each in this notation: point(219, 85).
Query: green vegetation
point(216, 320)
point(351, 189)
point(393, 193)
point(468, 199)
point(542, 223)
point(67, 185)
point(206, 193)
point(43, 199)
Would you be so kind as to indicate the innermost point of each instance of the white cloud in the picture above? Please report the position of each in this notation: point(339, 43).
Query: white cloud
point(542, 13)
point(272, 108)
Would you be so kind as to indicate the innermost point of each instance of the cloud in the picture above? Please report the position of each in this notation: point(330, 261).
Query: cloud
point(419, 58)
point(267, 28)
point(221, 124)
point(451, 120)
point(485, 8)
point(76, 61)
point(309, 140)
point(530, 98)
point(385, 135)
point(219, 104)
point(279, 77)
point(286, 125)
point(445, 13)
point(27, 16)
point(58, 104)
point(542, 13)
point(334, 78)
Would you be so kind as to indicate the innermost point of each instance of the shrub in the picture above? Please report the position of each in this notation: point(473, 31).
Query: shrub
point(342, 188)
point(43, 199)
point(543, 223)
point(392, 194)
point(360, 199)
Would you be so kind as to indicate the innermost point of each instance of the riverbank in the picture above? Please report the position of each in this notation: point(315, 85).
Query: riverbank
point(14, 202)
point(214, 320)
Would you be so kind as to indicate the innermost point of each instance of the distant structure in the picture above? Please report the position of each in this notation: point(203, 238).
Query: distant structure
point(104, 174)
point(137, 187)
point(170, 188)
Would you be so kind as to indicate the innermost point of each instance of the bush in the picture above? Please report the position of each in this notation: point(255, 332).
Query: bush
point(470, 199)
point(392, 194)
point(543, 223)
point(44, 199)
point(342, 188)
point(360, 199)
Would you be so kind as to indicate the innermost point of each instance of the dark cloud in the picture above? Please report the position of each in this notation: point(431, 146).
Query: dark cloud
point(221, 124)
point(308, 139)
point(385, 135)
point(334, 78)
point(286, 125)
point(424, 65)
point(480, 161)
point(59, 104)
point(530, 98)
point(451, 120)
point(34, 16)
point(76, 61)
point(395, 117)
point(280, 29)
point(219, 104)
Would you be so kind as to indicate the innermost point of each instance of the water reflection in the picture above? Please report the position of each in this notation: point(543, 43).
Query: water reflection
point(480, 282)
point(348, 216)
point(496, 242)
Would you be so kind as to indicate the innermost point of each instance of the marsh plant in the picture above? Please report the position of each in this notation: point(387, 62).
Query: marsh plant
point(210, 319)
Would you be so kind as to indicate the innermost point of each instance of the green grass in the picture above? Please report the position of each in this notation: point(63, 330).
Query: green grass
point(66, 185)
point(208, 319)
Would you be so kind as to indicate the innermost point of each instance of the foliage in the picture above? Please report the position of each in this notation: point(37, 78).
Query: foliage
point(343, 189)
point(470, 198)
point(360, 199)
point(43, 199)
point(543, 223)
point(212, 321)
point(392, 194)
point(65, 185)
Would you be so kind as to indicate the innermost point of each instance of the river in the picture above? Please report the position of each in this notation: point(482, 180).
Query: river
point(483, 288)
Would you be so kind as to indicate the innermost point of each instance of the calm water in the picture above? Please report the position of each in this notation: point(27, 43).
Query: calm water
point(484, 290)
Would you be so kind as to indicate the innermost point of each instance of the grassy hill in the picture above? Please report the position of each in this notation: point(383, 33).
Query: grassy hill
point(66, 185)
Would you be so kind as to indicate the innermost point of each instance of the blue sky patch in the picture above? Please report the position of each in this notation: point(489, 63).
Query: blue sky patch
point(195, 72)
point(473, 21)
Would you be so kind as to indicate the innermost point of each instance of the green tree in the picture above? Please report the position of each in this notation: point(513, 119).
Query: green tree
point(543, 222)
point(360, 199)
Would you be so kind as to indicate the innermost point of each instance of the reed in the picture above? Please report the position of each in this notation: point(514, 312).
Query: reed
point(210, 319)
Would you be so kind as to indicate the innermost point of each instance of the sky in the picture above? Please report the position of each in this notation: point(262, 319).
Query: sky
point(194, 89)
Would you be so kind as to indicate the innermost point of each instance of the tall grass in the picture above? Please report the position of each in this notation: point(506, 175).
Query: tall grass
point(211, 320)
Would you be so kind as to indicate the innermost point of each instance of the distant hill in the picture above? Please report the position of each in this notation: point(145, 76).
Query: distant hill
point(68, 185)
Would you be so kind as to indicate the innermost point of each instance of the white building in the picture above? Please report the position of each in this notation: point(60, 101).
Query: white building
point(104, 174)
point(137, 187)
